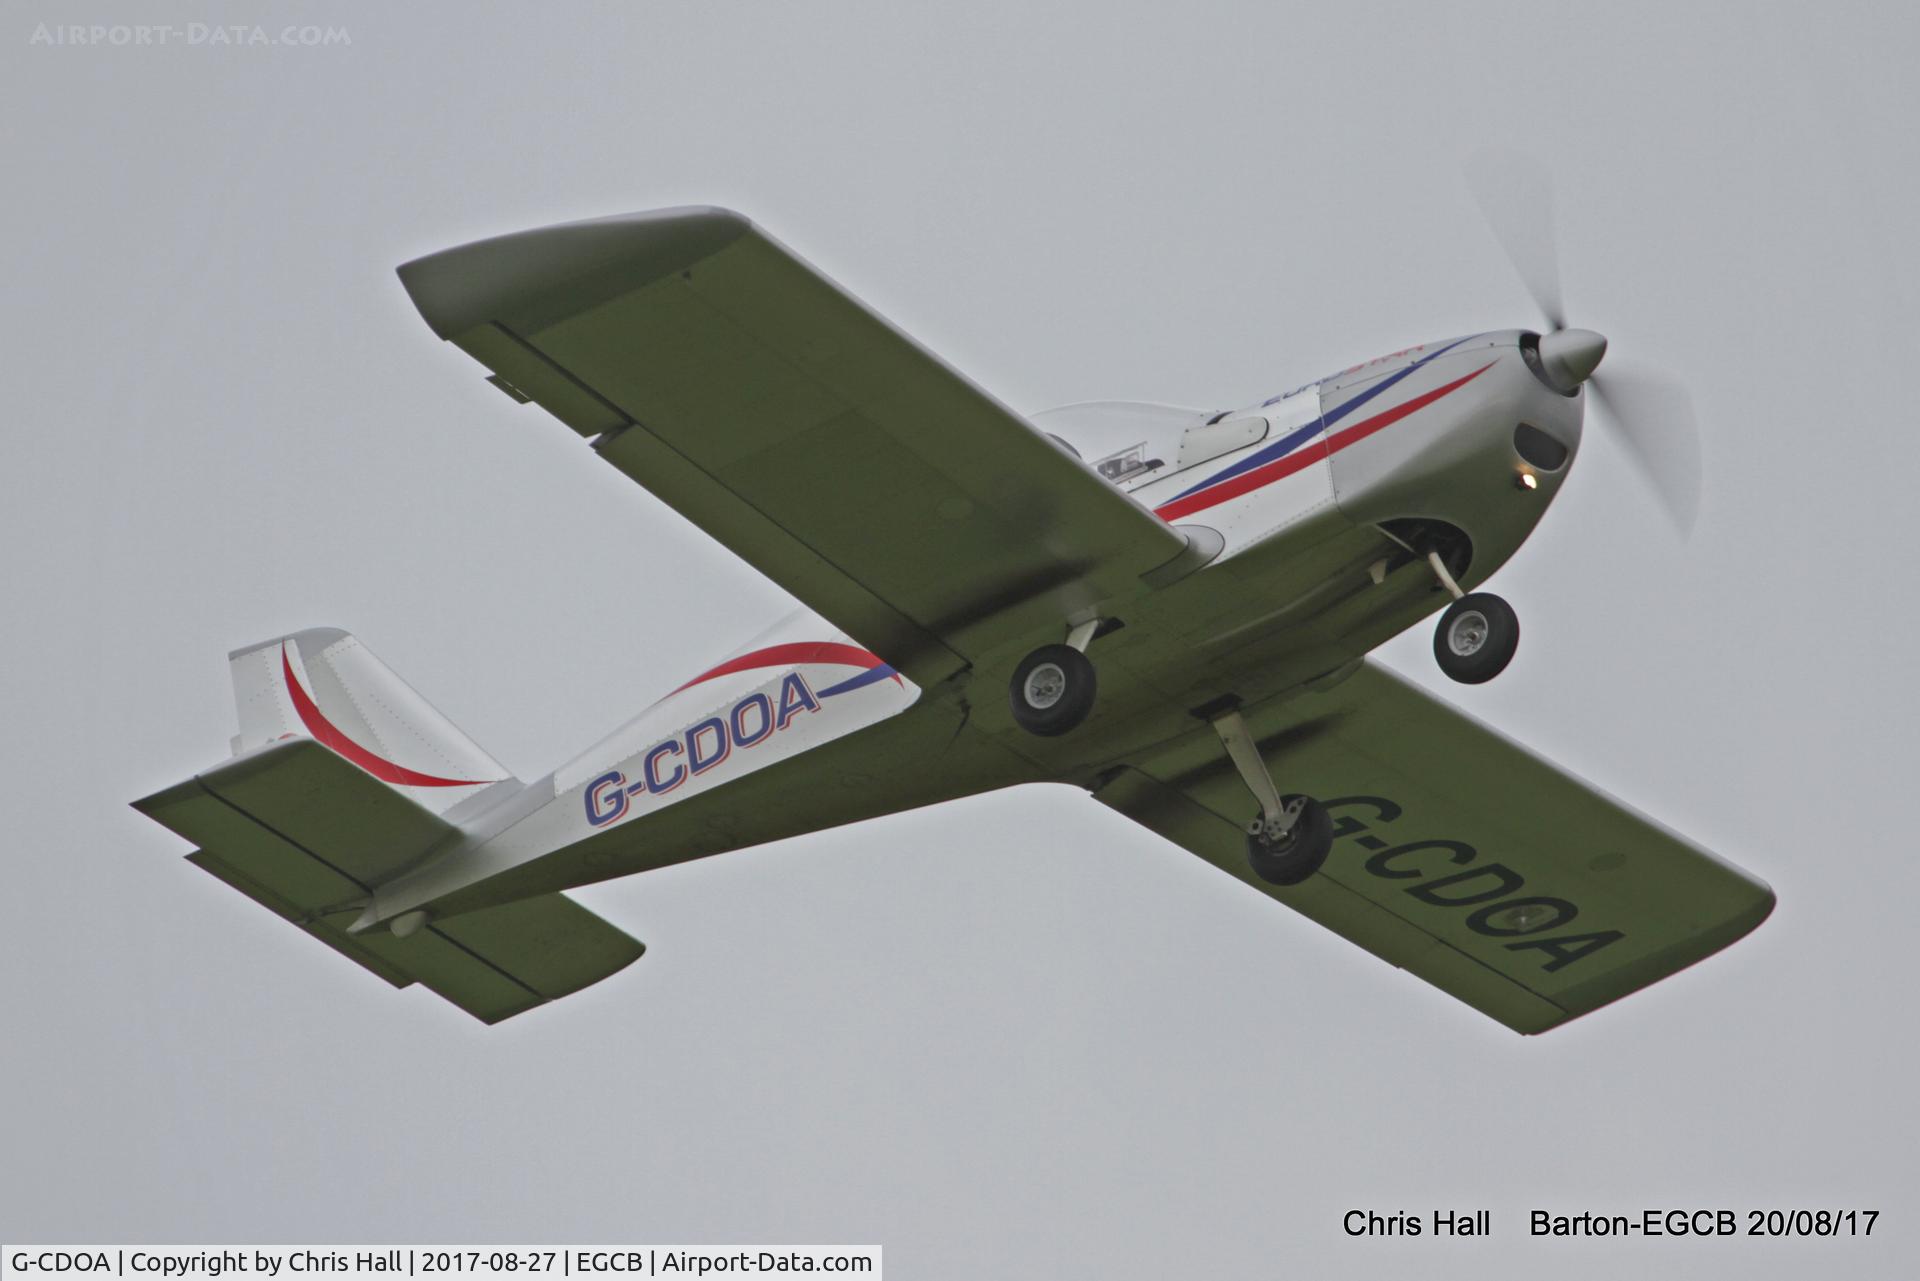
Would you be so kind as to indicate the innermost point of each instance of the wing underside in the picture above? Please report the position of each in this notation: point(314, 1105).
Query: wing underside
point(798, 428)
point(1458, 855)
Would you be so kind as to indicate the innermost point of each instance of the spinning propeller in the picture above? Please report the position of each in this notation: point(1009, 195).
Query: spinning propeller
point(1652, 416)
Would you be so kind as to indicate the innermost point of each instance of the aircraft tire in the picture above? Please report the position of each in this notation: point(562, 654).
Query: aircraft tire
point(1297, 856)
point(1052, 690)
point(1476, 638)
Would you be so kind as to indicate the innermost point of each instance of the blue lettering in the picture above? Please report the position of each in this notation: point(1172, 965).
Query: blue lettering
point(738, 721)
point(606, 798)
point(651, 769)
point(796, 696)
point(721, 749)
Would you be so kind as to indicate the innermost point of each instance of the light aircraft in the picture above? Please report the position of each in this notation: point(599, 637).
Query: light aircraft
point(1168, 608)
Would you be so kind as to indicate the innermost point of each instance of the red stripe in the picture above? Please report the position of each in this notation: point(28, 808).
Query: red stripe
point(1308, 454)
point(1246, 482)
point(328, 734)
point(789, 656)
point(1359, 431)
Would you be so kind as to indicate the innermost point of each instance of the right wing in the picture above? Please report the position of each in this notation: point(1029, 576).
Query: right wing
point(801, 430)
point(1458, 855)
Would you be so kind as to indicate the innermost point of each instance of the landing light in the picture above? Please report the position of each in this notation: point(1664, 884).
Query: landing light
point(1527, 480)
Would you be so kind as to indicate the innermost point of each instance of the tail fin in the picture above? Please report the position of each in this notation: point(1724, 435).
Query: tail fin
point(300, 827)
point(323, 684)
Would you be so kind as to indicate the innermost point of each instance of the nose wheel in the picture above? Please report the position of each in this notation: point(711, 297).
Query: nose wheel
point(1478, 633)
point(1476, 638)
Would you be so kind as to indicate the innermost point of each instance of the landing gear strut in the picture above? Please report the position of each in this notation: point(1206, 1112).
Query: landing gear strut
point(1477, 635)
point(1289, 838)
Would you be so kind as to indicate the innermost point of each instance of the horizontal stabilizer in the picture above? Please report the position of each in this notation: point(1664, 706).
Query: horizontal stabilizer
point(301, 831)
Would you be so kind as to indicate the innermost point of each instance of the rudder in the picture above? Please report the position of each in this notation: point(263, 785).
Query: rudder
point(323, 684)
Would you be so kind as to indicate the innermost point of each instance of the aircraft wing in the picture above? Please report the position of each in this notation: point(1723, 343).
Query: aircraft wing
point(1458, 855)
point(797, 427)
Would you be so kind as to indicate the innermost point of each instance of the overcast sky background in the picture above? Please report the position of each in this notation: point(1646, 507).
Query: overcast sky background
point(1016, 1036)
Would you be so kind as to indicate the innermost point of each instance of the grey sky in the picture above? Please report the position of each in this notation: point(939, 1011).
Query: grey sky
point(1017, 1036)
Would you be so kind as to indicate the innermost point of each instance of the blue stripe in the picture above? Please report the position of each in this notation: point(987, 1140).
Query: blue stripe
point(1278, 449)
point(864, 679)
point(1281, 448)
point(1334, 416)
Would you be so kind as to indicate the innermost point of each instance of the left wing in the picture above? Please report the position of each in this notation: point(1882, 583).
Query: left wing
point(1457, 855)
point(805, 433)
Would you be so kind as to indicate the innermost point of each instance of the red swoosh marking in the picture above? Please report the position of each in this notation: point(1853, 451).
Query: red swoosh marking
point(791, 655)
point(1307, 455)
point(328, 734)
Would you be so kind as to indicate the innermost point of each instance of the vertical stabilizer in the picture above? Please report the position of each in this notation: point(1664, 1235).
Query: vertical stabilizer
point(325, 685)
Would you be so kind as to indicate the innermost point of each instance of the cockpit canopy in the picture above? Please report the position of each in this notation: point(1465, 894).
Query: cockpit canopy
point(1130, 443)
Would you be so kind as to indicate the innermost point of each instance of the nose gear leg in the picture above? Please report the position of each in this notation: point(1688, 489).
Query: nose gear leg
point(1441, 572)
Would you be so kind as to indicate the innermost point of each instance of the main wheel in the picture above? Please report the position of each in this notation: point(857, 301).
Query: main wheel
point(1052, 690)
point(1476, 638)
point(1292, 858)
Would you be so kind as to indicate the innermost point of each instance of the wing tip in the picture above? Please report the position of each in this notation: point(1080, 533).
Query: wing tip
point(1686, 954)
point(546, 272)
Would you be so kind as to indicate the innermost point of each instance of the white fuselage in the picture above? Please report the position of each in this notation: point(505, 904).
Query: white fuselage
point(1318, 507)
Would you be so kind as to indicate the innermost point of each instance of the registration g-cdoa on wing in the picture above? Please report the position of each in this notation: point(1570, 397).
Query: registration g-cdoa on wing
point(1167, 608)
